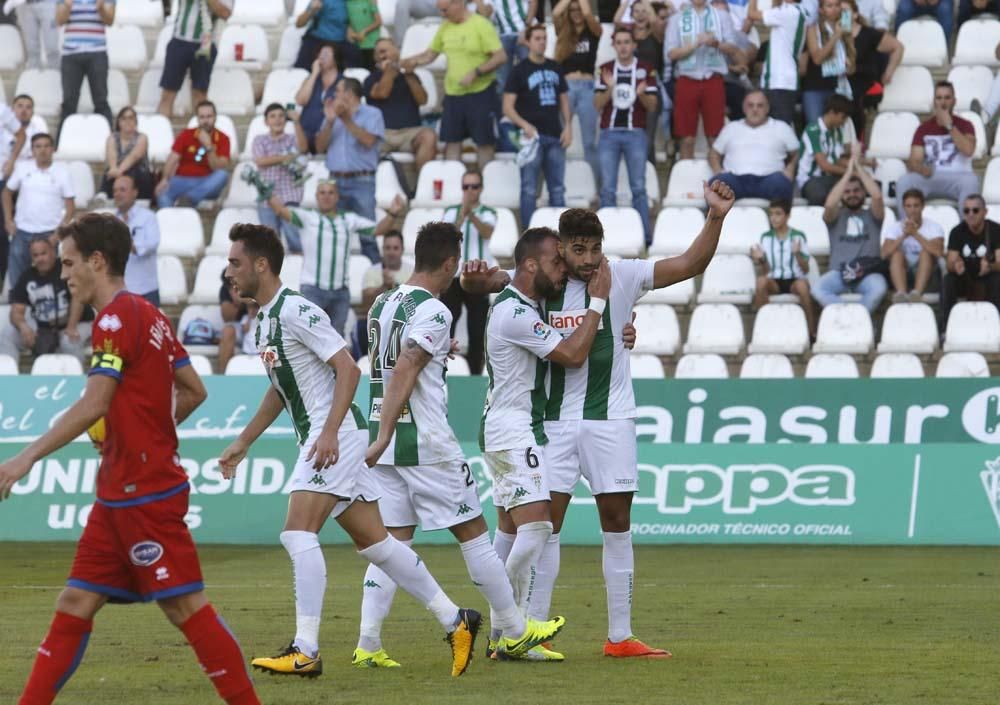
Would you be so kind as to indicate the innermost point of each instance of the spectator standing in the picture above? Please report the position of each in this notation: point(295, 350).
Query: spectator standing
point(648, 31)
point(869, 67)
point(197, 168)
point(476, 222)
point(780, 80)
point(760, 153)
point(127, 152)
point(191, 49)
point(273, 152)
point(625, 93)
point(855, 259)
point(57, 323)
point(327, 235)
point(319, 86)
point(45, 201)
point(140, 272)
point(511, 18)
point(350, 136)
point(699, 40)
point(824, 150)
point(912, 247)
point(37, 21)
point(328, 22)
point(942, 10)
point(471, 101)
point(578, 32)
point(973, 259)
point(830, 59)
point(783, 257)
point(536, 100)
point(747, 42)
point(85, 53)
point(940, 163)
point(14, 146)
point(365, 22)
point(399, 95)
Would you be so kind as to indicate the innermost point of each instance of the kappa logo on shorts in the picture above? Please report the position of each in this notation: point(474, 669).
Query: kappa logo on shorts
point(520, 492)
point(317, 479)
point(464, 509)
point(145, 553)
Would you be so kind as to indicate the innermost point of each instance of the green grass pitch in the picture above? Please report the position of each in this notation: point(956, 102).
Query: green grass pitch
point(747, 625)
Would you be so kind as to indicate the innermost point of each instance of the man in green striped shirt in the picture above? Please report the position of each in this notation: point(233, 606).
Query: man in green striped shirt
point(328, 238)
point(824, 150)
point(191, 48)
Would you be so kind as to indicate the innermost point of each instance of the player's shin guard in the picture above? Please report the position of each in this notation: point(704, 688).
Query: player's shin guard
point(619, 568)
point(309, 577)
point(406, 569)
point(220, 656)
point(377, 592)
point(523, 559)
point(545, 580)
point(58, 656)
point(488, 574)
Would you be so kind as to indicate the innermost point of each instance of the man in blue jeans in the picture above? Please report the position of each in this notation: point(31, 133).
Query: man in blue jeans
point(197, 168)
point(625, 93)
point(536, 100)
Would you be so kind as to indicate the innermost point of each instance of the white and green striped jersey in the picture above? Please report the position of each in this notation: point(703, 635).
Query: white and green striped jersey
point(788, 35)
point(473, 246)
point(192, 18)
point(422, 436)
point(781, 261)
point(326, 245)
point(602, 388)
point(510, 16)
point(295, 340)
point(518, 342)
point(817, 138)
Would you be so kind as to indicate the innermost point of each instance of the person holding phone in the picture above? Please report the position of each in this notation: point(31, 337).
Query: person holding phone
point(198, 166)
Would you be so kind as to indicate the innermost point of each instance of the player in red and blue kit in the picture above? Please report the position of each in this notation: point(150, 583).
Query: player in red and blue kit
point(136, 546)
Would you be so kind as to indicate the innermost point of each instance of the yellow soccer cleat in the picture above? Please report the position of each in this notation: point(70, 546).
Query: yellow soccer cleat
point(534, 634)
point(373, 659)
point(538, 653)
point(290, 662)
point(463, 639)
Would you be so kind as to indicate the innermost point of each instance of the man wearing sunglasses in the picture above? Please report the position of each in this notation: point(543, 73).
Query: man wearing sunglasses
point(973, 259)
point(476, 222)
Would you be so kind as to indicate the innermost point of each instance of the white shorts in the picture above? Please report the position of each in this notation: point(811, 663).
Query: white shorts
point(519, 476)
point(437, 496)
point(349, 478)
point(603, 452)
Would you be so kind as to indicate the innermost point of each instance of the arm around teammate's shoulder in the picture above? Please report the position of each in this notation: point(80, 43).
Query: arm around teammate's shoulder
point(573, 351)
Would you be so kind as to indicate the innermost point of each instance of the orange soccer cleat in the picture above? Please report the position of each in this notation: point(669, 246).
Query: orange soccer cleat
point(633, 648)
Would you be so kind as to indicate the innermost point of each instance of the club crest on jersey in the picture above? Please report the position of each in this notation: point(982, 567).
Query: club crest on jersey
point(110, 323)
point(269, 356)
point(568, 321)
point(541, 330)
point(145, 553)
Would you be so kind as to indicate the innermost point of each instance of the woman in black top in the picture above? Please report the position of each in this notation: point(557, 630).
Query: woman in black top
point(578, 33)
point(868, 44)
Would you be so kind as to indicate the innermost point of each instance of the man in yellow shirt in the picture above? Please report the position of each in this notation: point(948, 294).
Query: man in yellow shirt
point(471, 103)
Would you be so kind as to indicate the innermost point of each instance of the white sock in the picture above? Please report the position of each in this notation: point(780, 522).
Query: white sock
point(488, 574)
point(502, 543)
point(619, 569)
point(406, 569)
point(545, 580)
point(523, 559)
point(309, 579)
point(377, 592)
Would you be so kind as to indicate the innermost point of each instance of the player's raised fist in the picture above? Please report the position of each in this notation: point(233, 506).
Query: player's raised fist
point(719, 197)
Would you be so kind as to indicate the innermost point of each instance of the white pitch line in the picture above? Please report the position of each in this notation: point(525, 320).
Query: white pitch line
point(913, 496)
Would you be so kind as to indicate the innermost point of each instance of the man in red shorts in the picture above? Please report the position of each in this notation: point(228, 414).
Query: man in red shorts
point(136, 546)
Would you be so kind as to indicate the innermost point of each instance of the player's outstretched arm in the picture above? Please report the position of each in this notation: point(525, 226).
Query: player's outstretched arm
point(478, 277)
point(404, 378)
point(326, 449)
point(573, 351)
point(270, 406)
point(78, 418)
point(190, 392)
point(720, 199)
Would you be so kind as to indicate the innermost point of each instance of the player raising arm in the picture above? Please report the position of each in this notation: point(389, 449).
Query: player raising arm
point(136, 546)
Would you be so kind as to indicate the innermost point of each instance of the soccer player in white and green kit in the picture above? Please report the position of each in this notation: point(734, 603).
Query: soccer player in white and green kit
point(313, 377)
point(420, 465)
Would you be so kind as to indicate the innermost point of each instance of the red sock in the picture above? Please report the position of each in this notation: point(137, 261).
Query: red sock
point(58, 656)
point(220, 656)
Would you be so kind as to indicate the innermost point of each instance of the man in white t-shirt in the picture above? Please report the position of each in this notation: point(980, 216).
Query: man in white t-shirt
point(760, 153)
point(45, 201)
point(787, 22)
point(912, 246)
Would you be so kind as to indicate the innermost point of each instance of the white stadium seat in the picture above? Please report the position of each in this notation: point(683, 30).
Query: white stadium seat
point(387, 11)
point(160, 134)
point(728, 279)
point(232, 91)
point(897, 365)
point(657, 330)
point(501, 184)
point(266, 13)
point(201, 364)
point(991, 181)
point(83, 138)
point(357, 73)
point(715, 328)
point(148, 98)
point(605, 47)
point(291, 271)
point(741, 229)
point(83, 182)
point(8, 365)
point(911, 89)
point(925, 44)
point(208, 279)
point(449, 173)
point(224, 222)
point(417, 38)
point(685, 185)
point(831, 366)
point(458, 367)
point(970, 82)
point(245, 365)
point(581, 189)
point(809, 219)
point(675, 229)
point(623, 195)
point(173, 282)
point(288, 46)
point(210, 313)
point(973, 326)
point(645, 366)
point(887, 172)
point(766, 366)
point(365, 365)
point(701, 366)
point(844, 328)
point(623, 234)
point(415, 217)
point(909, 328)
point(45, 88)
point(980, 132)
point(11, 48)
point(505, 234)
point(962, 364)
point(546, 217)
point(976, 43)
point(57, 364)
point(780, 328)
point(180, 232)
point(144, 13)
point(281, 86)
point(256, 52)
point(256, 128)
point(243, 195)
point(126, 47)
point(433, 103)
point(387, 185)
point(892, 134)
point(356, 273)
point(679, 294)
point(944, 215)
